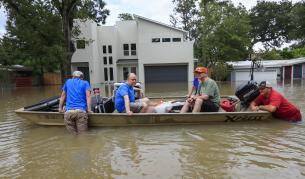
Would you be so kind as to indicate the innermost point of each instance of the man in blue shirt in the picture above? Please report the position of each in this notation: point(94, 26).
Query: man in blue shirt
point(78, 103)
point(125, 98)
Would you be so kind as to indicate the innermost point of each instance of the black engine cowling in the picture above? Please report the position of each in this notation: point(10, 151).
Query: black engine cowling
point(247, 92)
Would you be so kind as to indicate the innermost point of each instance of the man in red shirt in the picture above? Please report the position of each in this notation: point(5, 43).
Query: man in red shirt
point(272, 101)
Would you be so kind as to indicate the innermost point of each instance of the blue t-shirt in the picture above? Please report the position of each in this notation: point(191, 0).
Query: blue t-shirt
point(196, 83)
point(75, 90)
point(122, 91)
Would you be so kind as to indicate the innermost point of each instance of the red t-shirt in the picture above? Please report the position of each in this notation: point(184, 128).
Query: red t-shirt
point(284, 109)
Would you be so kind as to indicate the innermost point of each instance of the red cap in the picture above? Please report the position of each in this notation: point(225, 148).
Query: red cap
point(201, 70)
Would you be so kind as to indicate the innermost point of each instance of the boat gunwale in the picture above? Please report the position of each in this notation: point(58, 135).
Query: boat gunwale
point(21, 110)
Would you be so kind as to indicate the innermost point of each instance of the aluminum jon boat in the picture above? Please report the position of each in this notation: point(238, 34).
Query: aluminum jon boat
point(119, 119)
point(46, 112)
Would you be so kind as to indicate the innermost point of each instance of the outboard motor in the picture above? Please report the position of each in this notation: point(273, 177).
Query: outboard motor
point(247, 92)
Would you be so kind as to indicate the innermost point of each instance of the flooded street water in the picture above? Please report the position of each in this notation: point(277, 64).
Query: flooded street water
point(230, 150)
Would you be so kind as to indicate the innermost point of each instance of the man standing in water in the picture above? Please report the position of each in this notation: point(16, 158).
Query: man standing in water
point(272, 101)
point(78, 103)
point(125, 98)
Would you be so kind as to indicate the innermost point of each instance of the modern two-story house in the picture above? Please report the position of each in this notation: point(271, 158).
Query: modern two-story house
point(156, 52)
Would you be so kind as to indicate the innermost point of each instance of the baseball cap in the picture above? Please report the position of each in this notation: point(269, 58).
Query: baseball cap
point(77, 74)
point(265, 84)
point(201, 70)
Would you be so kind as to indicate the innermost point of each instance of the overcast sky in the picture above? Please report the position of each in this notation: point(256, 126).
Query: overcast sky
point(158, 10)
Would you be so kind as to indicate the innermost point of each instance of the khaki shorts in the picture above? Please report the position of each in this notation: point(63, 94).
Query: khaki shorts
point(136, 106)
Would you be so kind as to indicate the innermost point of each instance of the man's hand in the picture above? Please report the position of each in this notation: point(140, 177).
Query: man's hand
point(129, 113)
point(254, 108)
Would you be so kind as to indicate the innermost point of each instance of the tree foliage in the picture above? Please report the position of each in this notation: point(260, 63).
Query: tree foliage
point(224, 33)
point(125, 16)
point(41, 31)
point(298, 22)
point(270, 22)
point(185, 16)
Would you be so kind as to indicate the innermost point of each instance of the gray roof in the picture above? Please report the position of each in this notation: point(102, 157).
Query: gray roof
point(127, 61)
point(267, 63)
point(156, 22)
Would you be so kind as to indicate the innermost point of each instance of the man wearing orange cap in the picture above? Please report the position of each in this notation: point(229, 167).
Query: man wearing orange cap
point(207, 96)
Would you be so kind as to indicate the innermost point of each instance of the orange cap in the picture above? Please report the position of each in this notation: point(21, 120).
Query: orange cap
point(201, 70)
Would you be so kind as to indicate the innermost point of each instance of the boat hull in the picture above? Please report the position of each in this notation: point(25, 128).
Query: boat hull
point(119, 119)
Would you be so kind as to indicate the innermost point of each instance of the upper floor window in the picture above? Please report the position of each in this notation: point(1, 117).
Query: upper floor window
point(104, 49)
point(105, 60)
point(176, 39)
point(166, 39)
point(126, 49)
point(155, 40)
point(80, 44)
point(109, 49)
point(133, 49)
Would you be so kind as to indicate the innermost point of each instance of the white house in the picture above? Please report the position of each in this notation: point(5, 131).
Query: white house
point(269, 70)
point(156, 52)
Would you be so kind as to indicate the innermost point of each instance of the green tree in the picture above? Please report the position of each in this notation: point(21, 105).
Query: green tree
point(270, 23)
point(70, 10)
point(125, 17)
point(32, 34)
point(224, 33)
point(43, 21)
point(185, 16)
point(297, 19)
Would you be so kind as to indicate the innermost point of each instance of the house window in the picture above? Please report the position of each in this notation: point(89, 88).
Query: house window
point(126, 49)
point(176, 39)
point(110, 60)
point(155, 40)
point(166, 39)
point(127, 70)
point(111, 73)
point(133, 70)
point(109, 49)
point(133, 49)
point(104, 49)
point(106, 74)
point(80, 44)
point(105, 60)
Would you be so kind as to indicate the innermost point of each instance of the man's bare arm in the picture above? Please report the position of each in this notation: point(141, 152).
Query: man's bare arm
point(269, 108)
point(61, 101)
point(127, 104)
point(88, 98)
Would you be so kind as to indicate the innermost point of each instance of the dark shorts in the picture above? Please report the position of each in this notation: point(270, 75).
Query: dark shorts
point(209, 106)
point(76, 121)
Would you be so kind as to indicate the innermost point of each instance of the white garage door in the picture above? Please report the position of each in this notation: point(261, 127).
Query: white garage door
point(258, 76)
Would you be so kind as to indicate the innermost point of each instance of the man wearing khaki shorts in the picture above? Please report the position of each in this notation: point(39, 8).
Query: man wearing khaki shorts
point(77, 93)
point(125, 99)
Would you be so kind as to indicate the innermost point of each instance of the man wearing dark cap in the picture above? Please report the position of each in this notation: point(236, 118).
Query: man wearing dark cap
point(272, 101)
point(78, 103)
point(207, 98)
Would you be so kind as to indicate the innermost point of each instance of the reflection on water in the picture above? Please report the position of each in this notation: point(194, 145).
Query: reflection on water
point(231, 150)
